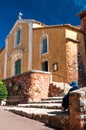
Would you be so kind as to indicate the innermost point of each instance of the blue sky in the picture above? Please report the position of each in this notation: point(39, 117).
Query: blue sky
point(50, 12)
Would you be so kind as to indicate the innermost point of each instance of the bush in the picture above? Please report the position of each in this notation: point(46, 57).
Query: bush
point(3, 91)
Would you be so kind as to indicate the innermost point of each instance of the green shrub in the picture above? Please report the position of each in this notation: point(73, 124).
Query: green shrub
point(3, 91)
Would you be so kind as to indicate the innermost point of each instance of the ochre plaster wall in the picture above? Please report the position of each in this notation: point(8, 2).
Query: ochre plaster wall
point(2, 58)
point(56, 51)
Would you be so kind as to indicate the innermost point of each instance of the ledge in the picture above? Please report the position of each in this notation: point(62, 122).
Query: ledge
point(28, 72)
point(81, 91)
point(72, 40)
point(39, 71)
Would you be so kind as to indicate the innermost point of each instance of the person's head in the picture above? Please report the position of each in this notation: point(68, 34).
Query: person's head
point(74, 84)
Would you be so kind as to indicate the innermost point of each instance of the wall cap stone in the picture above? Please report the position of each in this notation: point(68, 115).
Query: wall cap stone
point(28, 72)
point(39, 71)
point(81, 91)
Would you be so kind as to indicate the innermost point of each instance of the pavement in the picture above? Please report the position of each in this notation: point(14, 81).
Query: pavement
point(48, 111)
point(10, 121)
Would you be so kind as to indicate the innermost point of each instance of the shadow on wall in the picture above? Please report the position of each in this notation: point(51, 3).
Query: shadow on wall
point(81, 72)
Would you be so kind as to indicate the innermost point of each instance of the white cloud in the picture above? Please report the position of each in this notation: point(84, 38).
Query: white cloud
point(81, 3)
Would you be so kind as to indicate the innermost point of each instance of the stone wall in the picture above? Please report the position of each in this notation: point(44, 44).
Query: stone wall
point(39, 85)
point(32, 85)
point(55, 91)
point(72, 61)
point(58, 89)
point(78, 109)
point(81, 71)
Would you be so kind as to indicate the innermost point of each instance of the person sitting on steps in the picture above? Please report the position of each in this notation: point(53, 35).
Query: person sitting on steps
point(65, 101)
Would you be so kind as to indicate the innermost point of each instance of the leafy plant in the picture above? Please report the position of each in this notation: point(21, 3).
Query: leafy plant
point(3, 91)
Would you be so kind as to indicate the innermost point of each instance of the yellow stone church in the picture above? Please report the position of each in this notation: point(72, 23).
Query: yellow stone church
point(59, 49)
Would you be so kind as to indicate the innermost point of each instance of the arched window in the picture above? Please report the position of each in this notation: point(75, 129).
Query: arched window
point(44, 45)
point(17, 37)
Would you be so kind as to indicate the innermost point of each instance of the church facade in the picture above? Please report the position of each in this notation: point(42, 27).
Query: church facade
point(59, 49)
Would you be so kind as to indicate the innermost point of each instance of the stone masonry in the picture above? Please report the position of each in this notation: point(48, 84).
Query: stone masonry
point(78, 109)
point(32, 85)
point(75, 119)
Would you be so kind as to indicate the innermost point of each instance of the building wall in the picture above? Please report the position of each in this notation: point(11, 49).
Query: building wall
point(82, 49)
point(72, 44)
point(82, 60)
point(24, 37)
point(64, 45)
point(2, 58)
point(72, 61)
point(56, 51)
point(20, 51)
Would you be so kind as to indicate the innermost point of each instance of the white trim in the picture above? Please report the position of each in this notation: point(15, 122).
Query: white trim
point(40, 71)
point(5, 59)
point(12, 68)
point(25, 21)
point(30, 45)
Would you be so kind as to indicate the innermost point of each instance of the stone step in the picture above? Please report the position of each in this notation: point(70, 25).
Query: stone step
point(45, 101)
point(48, 103)
point(43, 105)
point(54, 98)
point(51, 117)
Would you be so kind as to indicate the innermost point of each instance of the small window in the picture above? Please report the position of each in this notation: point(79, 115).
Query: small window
point(44, 46)
point(18, 67)
point(45, 66)
point(17, 37)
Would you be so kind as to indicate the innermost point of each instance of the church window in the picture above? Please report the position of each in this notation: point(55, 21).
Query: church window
point(18, 66)
point(17, 37)
point(44, 46)
point(44, 66)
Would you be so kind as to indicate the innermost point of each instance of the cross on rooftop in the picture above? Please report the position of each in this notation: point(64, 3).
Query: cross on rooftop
point(20, 15)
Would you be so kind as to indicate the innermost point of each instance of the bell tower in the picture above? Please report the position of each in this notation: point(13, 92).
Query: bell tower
point(82, 16)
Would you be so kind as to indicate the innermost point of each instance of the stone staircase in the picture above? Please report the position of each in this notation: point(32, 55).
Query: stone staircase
point(48, 111)
point(48, 103)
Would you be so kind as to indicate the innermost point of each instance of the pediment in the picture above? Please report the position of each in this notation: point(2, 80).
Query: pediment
point(14, 26)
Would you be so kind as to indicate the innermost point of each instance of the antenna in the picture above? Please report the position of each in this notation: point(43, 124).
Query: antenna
point(20, 15)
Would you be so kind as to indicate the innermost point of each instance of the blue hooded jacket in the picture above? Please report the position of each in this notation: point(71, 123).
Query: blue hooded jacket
point(65, 102)
point(74, 85)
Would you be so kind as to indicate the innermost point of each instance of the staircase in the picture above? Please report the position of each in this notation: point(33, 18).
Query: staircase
point(48, 103)
point(48, 111)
